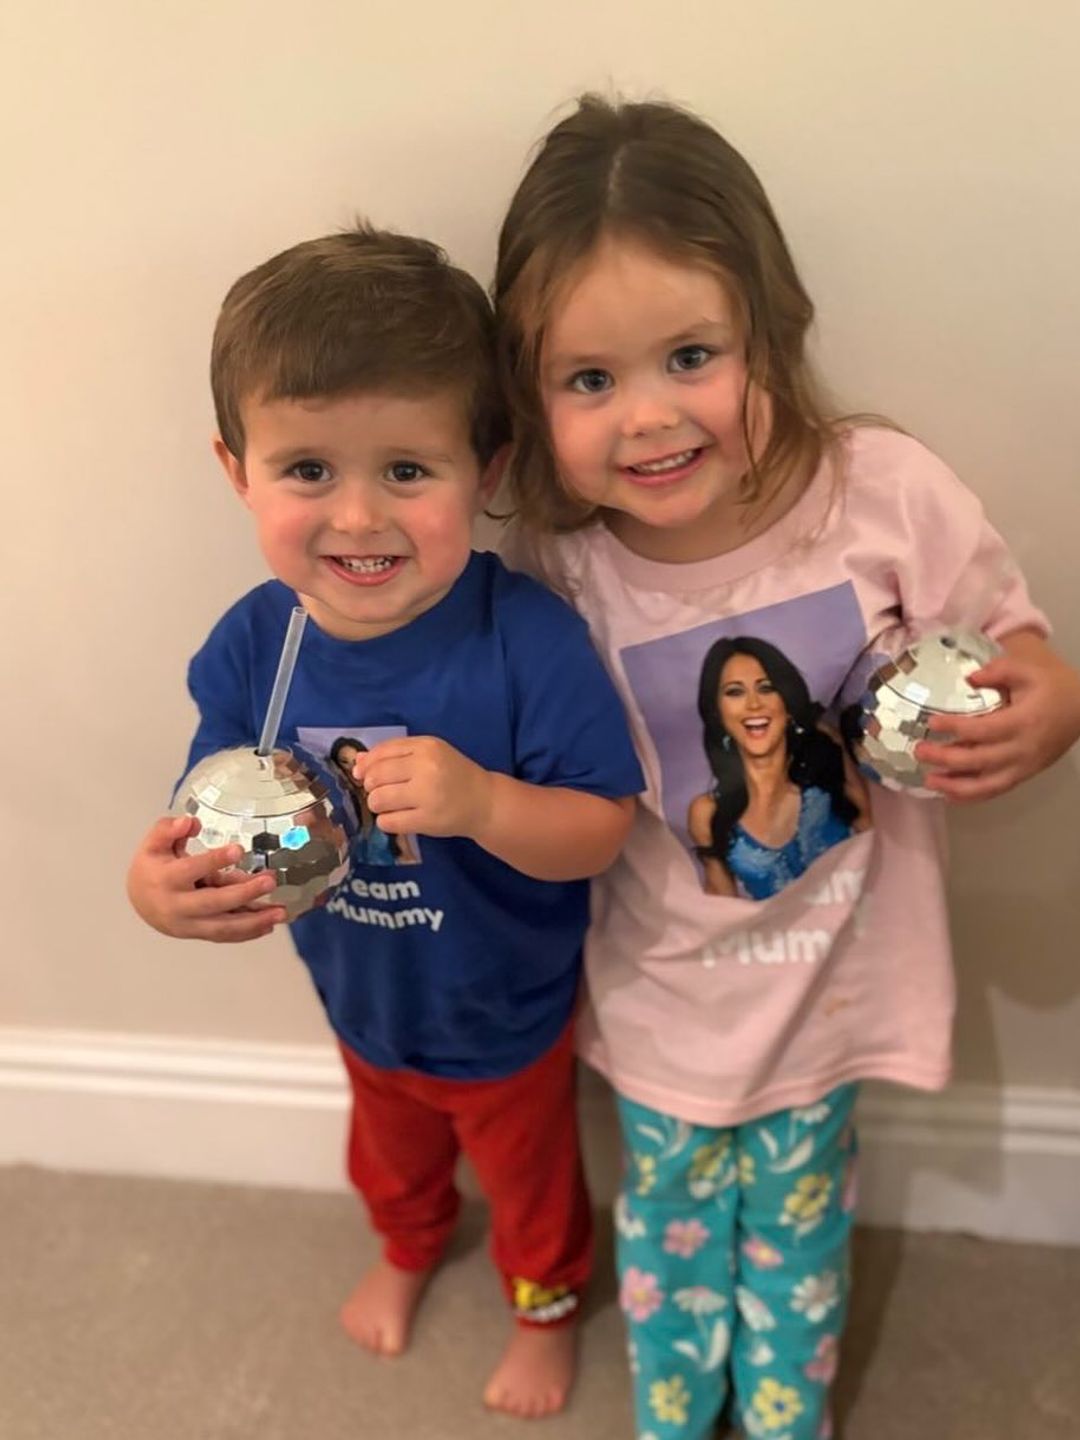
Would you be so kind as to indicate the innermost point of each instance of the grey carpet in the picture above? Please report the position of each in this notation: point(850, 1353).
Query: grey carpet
point(143, 1310)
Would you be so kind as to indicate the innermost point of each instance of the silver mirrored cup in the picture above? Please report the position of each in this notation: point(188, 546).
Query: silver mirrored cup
point(285, 813)
point(926, 680)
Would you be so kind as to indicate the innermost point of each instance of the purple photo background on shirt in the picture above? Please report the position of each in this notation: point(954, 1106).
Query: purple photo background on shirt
point(822, 634)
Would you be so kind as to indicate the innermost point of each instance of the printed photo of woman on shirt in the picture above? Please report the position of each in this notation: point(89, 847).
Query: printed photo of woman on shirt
point(370, 845)
point(784, 789)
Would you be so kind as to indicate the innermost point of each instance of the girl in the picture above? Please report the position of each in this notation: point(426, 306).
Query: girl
point(677, 475)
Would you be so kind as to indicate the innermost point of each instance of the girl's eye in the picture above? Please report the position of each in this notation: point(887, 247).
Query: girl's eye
point(310, 471)
point(690, 357)
point(405, 471)
point(732, 692)
point(591, 382)
point(766, 687)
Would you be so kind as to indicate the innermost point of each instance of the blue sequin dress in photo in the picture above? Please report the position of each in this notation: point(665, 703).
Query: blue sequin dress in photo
point(761, 871)
point(374, 848)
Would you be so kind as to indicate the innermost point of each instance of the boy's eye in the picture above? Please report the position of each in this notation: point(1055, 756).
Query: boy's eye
point(405, 470)
point(590, 382)
point(690, 357)
point(310, 471)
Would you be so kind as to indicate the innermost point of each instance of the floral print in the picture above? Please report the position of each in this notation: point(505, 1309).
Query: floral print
point(732, 1246)
point(823, 1366)
point(640, 1295)
point(806, 1202)
point(755, 1312)
point(810, 1114)
point(776, 1405)
point(760, 1352)
point(699, 1300)
point(709, 1349)
point(669, 1399)
point(815, 1296)
point(646, 1173)
point(685, 1237)
point(709, 1168)
point(626, 1223)
point(708, 1159)
point(760, 1253)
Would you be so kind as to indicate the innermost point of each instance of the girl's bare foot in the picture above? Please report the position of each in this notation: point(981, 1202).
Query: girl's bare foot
point(536, 1371)
point(379, 1312)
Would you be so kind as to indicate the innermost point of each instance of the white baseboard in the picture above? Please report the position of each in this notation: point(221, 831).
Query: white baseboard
point(996, 1162)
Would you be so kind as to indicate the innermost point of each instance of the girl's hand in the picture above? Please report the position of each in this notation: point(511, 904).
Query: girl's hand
point(422, 786)
point(992, 753)
point(196, 897)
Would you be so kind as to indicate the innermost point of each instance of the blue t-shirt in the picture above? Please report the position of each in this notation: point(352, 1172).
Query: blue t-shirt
point(764, 870)
point(454, 964)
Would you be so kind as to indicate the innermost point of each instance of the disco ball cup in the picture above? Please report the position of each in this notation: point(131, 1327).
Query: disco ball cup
point(926, 680)
point(282, 810)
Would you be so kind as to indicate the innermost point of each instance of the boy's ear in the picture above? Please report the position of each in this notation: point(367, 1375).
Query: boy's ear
point(233, 467)
point(492, 476)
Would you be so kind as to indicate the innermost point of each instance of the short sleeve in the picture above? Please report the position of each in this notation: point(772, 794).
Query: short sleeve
point(570, 728)
point(953, 567)
point(221, 690)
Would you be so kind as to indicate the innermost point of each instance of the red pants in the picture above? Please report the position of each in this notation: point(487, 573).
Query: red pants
point(521, 1136)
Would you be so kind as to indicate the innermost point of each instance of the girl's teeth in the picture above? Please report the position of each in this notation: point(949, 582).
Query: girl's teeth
point(657, 467)
point(368, 565)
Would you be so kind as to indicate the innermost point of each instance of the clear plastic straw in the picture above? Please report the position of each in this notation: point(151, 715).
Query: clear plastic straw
point(282, 680)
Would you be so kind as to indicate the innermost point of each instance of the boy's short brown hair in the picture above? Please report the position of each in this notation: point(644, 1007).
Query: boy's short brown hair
point(362, 310)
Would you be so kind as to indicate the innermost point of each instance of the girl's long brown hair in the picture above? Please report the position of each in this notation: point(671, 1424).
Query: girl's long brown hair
point(658, 174)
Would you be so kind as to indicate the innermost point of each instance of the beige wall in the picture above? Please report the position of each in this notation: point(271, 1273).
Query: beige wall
point(923, 159)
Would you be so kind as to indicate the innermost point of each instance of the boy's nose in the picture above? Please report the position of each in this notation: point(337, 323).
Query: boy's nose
point(359, 512)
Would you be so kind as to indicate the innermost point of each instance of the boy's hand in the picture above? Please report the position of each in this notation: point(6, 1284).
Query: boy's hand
point(992, 753)
point(195, 897)
point(422, 786)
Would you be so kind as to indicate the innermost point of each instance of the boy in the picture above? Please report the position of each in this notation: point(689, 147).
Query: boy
point(359, 418)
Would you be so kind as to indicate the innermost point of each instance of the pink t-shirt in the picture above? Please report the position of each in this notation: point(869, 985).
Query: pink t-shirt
point(717, 1008)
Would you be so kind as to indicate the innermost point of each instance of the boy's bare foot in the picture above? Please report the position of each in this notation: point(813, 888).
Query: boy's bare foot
point(535, 1374)
point(379, 1312)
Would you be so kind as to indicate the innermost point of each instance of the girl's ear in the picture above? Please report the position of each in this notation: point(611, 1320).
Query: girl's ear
point(759, 418)
point(492, 476)
point(233, 467)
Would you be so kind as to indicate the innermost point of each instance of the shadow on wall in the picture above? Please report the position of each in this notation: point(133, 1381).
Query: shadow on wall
point(1012, 887)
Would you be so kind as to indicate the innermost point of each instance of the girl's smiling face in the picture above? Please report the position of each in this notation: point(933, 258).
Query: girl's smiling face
point(752, 710)
point(644, 382)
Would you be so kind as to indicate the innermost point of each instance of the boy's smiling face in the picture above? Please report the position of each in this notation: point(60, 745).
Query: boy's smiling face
point(364, 503)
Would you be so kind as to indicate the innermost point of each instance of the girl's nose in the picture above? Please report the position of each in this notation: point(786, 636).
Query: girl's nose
point(647, 410)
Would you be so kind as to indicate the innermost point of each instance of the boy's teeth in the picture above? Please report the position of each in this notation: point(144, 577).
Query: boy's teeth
point(366, 565)
point(672, 462)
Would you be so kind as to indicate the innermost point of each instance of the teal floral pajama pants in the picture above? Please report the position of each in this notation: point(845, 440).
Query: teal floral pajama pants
point(733, 1255)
